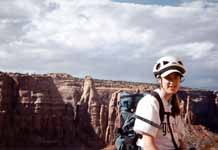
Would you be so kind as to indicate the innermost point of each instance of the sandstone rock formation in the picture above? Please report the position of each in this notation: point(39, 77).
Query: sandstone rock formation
point(90, 95)
point(60, 110)
point(187, 116)
point(112, 114)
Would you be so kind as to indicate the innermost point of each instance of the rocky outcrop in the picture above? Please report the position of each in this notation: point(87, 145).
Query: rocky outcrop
point(112, 114)
point(91, 115)
point(60, 110)
point(200, 108)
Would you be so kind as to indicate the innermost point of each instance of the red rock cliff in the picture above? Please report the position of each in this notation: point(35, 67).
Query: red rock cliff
point(60, 110)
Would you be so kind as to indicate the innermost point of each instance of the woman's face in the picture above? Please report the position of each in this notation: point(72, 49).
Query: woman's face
point(171, 83)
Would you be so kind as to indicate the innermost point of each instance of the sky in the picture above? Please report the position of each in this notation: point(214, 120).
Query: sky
point(110, 39)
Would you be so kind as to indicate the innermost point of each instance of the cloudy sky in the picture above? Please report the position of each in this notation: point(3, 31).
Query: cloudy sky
point(115, 40)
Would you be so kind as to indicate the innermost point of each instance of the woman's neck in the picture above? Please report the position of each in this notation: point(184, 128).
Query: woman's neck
point(165, 95)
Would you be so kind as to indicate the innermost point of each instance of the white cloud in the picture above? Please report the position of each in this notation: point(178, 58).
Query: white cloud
point(15, 9)
point(194, 50)
point(102, 37)
point(4, 54)
point(172, 12)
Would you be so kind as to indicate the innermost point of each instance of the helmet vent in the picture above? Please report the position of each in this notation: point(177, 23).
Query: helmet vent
point(165, 62)
point(158, 66)
point(180, 62)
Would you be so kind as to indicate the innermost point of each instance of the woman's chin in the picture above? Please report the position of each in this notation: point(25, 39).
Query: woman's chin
point(172, 91)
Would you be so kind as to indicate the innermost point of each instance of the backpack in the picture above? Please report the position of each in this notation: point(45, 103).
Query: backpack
point(126, 137)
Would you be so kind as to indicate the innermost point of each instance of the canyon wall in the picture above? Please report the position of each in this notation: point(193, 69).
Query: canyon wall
point(58, 110)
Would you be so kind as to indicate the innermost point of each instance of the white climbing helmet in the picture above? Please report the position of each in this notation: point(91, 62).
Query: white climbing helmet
point(167, 65)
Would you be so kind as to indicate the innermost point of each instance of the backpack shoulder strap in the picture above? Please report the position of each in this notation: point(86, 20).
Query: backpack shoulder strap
point(171, 131)
point(161, 110)
point(148, 121)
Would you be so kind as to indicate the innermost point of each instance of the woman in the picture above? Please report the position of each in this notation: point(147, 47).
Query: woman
point(169, 72)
